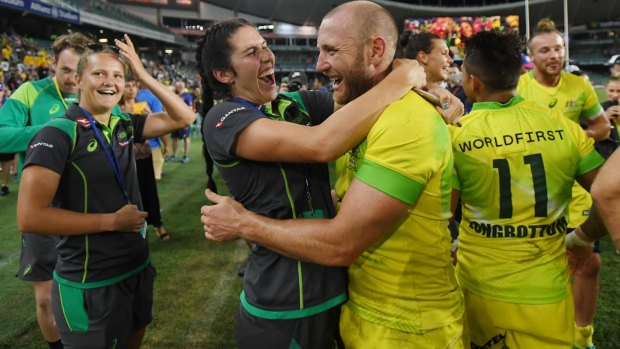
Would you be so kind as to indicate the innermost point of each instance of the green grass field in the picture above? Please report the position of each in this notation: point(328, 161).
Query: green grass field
point(197, 287)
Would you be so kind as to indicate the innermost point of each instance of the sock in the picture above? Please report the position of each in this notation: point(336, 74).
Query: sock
point(56, 345)
point(583, 335)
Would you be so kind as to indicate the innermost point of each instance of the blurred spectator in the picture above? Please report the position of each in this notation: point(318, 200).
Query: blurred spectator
point(4, 94)
point(283, 87)
point(614, 65)
point(184, 134)
point(612, 108)
point(454, 86)
point(526, 64)
point(297, 81)
point(5, 159)
point(144, 160)
point(320, 82)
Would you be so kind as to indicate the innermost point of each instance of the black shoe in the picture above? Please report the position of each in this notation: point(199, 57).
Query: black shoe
point(4, 191)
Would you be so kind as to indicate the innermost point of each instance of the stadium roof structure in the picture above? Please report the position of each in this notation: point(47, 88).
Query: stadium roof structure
point(304, 12)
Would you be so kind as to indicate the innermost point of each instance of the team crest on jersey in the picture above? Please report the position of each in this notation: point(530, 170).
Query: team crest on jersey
point(54, 109)
point(571, 105)
point(83, 122)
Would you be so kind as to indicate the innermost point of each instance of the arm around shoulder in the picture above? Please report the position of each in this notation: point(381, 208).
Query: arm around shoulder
point(269, 140)
point(606, 195)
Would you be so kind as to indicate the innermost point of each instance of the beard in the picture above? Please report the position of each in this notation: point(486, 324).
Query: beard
point(548, 71)
point(359, 80)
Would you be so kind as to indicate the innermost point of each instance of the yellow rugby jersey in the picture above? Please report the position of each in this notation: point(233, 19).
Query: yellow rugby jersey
point(514, 165)
point(574, 97)
point(406, 281)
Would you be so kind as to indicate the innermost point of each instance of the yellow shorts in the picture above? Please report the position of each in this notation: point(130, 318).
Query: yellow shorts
point(492, 324)
point(158, 162)
point(357, 332)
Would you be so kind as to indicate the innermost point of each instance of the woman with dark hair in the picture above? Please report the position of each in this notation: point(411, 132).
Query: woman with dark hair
point(79, 182)
point(430, 51)
point(269, 149)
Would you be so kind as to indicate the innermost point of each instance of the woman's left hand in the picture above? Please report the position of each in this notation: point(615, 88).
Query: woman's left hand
point(129, 52)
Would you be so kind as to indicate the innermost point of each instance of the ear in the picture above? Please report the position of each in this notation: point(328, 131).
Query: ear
point(224, 76)
point(378, 49)
point(421, 57)
point(477, 85)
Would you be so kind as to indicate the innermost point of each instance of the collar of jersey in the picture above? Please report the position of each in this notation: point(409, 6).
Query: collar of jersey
point(550, 90)
point(496, 105)
point(107, 131)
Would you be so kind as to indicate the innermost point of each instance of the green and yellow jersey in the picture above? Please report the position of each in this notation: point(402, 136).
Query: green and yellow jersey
point(406, 280)
point(575, 98)
point(514, 166)
point(32, 105)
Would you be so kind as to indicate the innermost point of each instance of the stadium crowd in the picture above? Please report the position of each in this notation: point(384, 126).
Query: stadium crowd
point(491, 201)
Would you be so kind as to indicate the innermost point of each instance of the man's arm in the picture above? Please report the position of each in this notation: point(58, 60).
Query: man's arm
point(586, 179)
point(15, 135)
point(599, 128)
point(366, 214)
point(606, 195)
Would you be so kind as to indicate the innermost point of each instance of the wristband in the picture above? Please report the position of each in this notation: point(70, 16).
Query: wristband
point(455, 245)
point(573, 240)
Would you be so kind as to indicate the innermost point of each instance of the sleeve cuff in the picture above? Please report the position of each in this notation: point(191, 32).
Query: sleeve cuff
point(389, 182)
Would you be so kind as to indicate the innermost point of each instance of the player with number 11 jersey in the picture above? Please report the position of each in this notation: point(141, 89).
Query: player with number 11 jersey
point(514, 168)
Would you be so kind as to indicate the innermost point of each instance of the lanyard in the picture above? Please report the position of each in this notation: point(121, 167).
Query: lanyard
point(111, 158)
point(62, 99)
point(248, 104)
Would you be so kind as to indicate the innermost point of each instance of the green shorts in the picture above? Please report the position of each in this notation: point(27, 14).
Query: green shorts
point(103, 317)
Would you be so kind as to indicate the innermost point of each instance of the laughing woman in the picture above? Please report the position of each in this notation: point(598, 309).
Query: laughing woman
point(80, 182)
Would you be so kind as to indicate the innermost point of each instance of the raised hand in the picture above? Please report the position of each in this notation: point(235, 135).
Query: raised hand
point(129, 52)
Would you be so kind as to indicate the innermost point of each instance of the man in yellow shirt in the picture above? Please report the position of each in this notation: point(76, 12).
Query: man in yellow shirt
point(392, 226)
point(515, 162)
point(574, 97)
